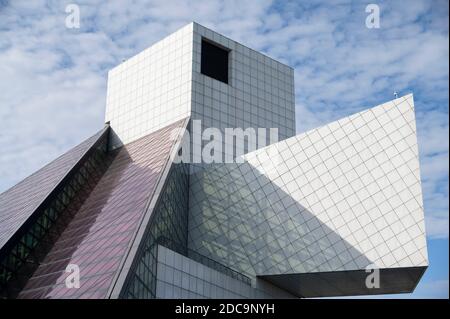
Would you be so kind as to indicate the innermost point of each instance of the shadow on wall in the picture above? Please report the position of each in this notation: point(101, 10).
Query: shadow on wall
point(241, 217)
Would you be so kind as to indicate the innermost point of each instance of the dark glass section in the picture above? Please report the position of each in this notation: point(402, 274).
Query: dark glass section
point(99, 235)
point(169, 220)
point(23, 252)
point(214, 61)
point(168, 227)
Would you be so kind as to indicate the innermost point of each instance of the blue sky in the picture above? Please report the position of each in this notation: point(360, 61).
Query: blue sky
point(53, 79)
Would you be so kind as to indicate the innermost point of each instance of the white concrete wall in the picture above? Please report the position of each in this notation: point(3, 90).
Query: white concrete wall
point(152, 89)
point(340, 197)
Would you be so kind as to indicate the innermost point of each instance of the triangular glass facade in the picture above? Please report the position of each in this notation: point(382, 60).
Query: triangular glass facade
point(90, 219)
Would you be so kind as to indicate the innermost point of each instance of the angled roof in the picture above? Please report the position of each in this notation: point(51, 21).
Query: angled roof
point(99, 236)
point(19, 202)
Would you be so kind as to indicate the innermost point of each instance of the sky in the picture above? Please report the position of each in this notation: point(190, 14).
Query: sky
point(53, 79)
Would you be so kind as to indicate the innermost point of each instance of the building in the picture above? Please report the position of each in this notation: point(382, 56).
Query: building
point(322, 213)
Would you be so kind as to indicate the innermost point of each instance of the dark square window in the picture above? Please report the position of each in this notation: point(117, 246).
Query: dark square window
point(214, 61)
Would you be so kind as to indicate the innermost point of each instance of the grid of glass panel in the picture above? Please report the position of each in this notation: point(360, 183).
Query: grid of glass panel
point(21, 257)
point(19, 202)
point(169, 221)
point(99, 235)
point(208, 262)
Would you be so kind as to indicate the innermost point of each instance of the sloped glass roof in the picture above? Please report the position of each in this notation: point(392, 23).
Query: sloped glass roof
point(19, 202)
point(100, 234)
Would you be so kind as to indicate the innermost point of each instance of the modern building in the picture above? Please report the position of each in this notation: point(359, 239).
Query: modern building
point(335, 211)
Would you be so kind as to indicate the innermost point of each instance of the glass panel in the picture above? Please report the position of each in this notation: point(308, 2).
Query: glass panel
point(169, 220)
point(97, 236)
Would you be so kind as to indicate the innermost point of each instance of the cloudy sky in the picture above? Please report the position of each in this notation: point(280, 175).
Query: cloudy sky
point(53, 79)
